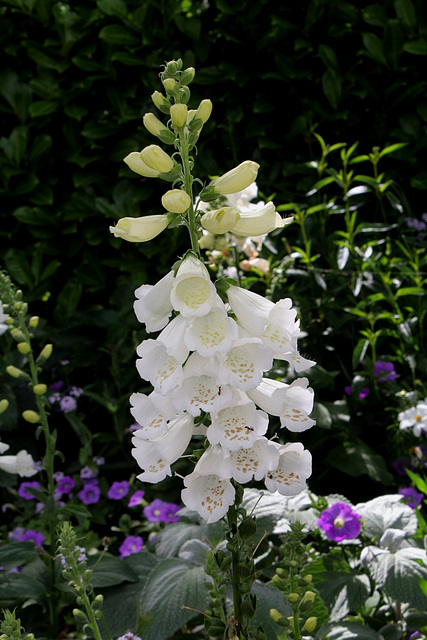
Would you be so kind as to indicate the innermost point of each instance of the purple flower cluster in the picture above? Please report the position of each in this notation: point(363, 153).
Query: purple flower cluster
point(411, 496)
point(340, 522)
point(384, 371)
point(22, 490)
point(64, 401)
point(160, 511)
point(131, 544)
point(20, 534)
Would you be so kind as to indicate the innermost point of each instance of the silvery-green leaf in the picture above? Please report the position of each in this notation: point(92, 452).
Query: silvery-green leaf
point(387, 512)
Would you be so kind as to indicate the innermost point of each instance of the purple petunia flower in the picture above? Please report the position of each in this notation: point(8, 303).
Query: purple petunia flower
point(65, 485)
point(411, 496)
point(160, 511)
point(23, 493)
point(22, 535)
point(384, 371)
point(90, 493)
point(131, 544)
point(118, 490)
point(340, 522)
point(136, 499)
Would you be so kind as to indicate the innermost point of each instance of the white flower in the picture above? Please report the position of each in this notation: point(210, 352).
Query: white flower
point(243, 465)
point(294, 467)
point(415, 418)
point(259, 221)
point(237, 426)
point(292, 403)
point(152, 414)
point(140, 229)
point(136, 164)
point(193, 293)
point(244, 363)
point(208, 495)
point(22, 463)
point(173, 336)
point(200, 392)
point(235, 180)
point(3, 316)
point(156, 456)
point(153, 305)
point(212, 333)
point(250, 309)
point(156, 365)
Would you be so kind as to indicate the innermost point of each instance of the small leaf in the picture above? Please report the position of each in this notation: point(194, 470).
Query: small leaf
point(374, 47)
point(118, 34)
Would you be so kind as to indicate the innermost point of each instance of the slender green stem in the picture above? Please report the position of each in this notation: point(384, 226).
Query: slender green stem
point(188, 186)
point(235, 559)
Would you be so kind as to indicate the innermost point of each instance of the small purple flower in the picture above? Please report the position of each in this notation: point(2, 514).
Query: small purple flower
point(99, 460)
point(340, 522)
point(56, 386)
point(411, 496)
point(118, 490)
point(22, 535)
point(23, 493)
point(160, 511)
point(82, 556)
point(65, 485)
point(54, 397)
point(67, 404)
point(419, 225)
point(90, 493)
point(136, 499)
point(364, 391)
point(129, 636)
point(75, 392)
point(384, 371)
point(131, 544)
point(86, 473)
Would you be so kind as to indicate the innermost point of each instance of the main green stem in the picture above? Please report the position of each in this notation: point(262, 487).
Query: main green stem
point(188, 186)
point(235, 559)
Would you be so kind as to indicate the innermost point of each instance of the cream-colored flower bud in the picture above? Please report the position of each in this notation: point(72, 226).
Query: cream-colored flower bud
point(3, 405)
point(23, 347)
point(40, 389)
point(155, 158)
point(134, 162)
point(157, 128)
point(187, 75)
point(309, 596)
point(204, 111)
point(16, 373)
point(179, 114)
point(140, 229)
point(45, 353)
point(31, 416)
point(160, 102)
point(170, 85)
point(220, 221)
point(17, 334)
point(293, 597)
point(176, 201)
point(33, 322)
point(310, 624)
point(235, 180)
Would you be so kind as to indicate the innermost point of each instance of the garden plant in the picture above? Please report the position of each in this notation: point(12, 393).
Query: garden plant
point(230, 443)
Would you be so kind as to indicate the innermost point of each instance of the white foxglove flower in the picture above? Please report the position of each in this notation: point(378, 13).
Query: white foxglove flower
point(282, 328)
point(259, 221)
point(3, 317)
point(173, 336)
point(156, 365)
point(153, 305)
point(253, 463)
point(233, 181)
point(208, 495)
point(237, 426)
point(136, 164)
point(201, 393)
point(244, 363)
point(140, 229)
point(22, 463)
point(152, 414)
point(193, 294)
point(156, 456)
point(212, 333)
point(250, 309)
point(292, 403)
point(297, 361)
point(294, 467)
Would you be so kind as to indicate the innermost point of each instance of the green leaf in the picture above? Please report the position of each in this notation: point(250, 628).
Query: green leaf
point(359, 352)
point(43, 108)
point(117, 34)
point(405, 11)
point(347, 631)
point(392, 148)
point(410, 291)
point(416, 47)
point(374, 47)
point(342, 591)
point(113, 8)
point(356, 460)
point(172, 585)
point(16, 553)
point(331, 85)
point(110, 571)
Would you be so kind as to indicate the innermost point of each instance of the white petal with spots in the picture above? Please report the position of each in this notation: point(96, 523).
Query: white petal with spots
point(208, 495)
point(213, 333)
point(237, 427)
point(158, 367)
point(294, 467)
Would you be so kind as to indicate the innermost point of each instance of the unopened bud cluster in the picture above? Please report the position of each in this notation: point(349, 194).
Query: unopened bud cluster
point(11, 629)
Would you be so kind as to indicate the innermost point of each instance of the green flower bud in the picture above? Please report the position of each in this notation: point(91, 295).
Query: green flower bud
point(157, 159)
point(3, 405)
point(170, 85)
point(33, 322)
point(178, 115)
point(204, 111)
point(79, 615)
point(293, 597)
point(187, 75)
point(157, 128)
point(45, 353)
point(308, 578)
point(17, 373)
point(31, 416)
point(161, 102)
point(176, 201)
point(40, 389)
point(235, 180)
point(310, 624)
point(219, 221)
point(140, 229)
point(277, 617)
point(23, 347)
point(17, 335)
point(309, 596)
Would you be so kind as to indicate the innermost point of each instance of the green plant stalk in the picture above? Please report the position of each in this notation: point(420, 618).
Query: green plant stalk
point(235, 558)
point(188, 186)
point(51, 511)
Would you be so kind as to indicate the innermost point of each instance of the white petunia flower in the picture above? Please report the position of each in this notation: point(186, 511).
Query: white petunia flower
point(152, 414)
point(153, 306)
point(193, 294)
point(294, 467)
point(156, 456)
point(292, 403)
point(156, 365)
point(237, 426)
point(208, 495)
point(414, 418)
point(213, 333)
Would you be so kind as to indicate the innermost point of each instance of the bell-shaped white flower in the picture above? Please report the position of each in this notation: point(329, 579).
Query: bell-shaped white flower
point(152, 414)
point(156, 365)
point(250, 309)
point(136, 164)
point(237, 426)
point(153, 305)
point(22, 463)
point(156, 456)
point(140, 229)
point(259, 221)
point(208, 495)
point(193, 294)
point(293, 469)
point(219, 221)
point(281, 329)
point(253, 463)
point(173, 336)
point(212, 333)
point(292, 403)
point(244, 363)
point(234, 180)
